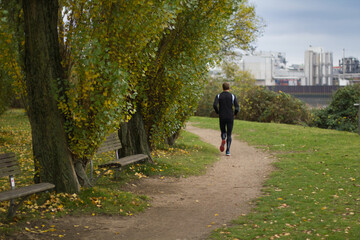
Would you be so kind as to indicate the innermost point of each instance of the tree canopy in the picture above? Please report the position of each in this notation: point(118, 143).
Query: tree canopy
point(115, 58)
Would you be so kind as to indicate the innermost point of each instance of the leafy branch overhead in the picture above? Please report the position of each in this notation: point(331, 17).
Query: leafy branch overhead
point(109, 60)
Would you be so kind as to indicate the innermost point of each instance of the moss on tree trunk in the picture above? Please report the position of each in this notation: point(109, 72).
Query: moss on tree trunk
point(43, 73)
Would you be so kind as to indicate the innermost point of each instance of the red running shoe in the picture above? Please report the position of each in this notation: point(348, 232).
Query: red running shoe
point(222, 148)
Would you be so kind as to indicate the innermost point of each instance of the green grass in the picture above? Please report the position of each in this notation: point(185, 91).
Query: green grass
point(315, 191)
point(188, 157)
point(313, 194)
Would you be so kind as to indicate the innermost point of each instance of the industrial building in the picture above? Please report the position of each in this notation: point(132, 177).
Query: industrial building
point(263, 66)
point(270, 69)
point(349, 65)
point(318, 67)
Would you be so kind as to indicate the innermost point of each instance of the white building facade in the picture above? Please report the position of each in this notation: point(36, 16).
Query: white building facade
point(269, 69)
point(262, 65)
point(261, 68)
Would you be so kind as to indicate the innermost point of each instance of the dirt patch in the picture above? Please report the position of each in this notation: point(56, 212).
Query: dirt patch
point(182, 208)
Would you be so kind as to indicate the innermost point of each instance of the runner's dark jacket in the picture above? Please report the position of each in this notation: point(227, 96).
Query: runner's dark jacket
point(226, 101)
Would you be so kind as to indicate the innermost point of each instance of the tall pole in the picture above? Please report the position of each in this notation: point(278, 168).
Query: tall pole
point(358, 105)
point(343, 62)
point(359, 121)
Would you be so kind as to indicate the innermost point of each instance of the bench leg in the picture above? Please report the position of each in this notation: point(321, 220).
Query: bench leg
point(117, 173)
point(11, 211)
point(14, 207)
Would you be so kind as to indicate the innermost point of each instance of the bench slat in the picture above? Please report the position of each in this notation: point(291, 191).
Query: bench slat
point(25, 191)
point(112, 142)
point(7, 156)
point(125, 161)
point(109, 147)
point(8, 165)
point(12, 170)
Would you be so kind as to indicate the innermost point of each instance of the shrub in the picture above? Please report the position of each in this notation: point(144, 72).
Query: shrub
point(262, 105)
point(341, 114)
point(205, 106)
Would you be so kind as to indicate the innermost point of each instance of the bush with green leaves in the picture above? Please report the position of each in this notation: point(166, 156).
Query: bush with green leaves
point(262, 105)
point(205, 105)
point(341, 114)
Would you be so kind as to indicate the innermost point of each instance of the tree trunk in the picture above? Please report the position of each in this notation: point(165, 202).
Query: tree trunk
point(43, 73)
point(171, 140)
point(133, 137)
point(83, 178)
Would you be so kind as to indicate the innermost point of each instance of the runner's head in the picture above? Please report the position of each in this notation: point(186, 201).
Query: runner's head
point(226, 86)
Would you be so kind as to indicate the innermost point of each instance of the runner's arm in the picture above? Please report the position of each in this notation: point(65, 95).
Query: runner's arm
point(215, 105)
point(237, 107)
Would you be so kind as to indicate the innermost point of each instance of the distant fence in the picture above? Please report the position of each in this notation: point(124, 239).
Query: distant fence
point(325, 90)
point(315, 96)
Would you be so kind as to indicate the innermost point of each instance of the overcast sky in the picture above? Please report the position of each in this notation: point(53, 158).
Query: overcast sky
point(294, 25)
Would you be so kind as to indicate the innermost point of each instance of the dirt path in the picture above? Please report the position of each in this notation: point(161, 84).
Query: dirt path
point(182, 208)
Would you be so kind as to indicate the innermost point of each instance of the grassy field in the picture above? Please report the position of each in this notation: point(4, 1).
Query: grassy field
point(315, 191)
point(313, 194)
point(188, 157)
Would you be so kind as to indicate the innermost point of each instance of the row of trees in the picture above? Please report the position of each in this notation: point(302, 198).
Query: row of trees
point(84, 68)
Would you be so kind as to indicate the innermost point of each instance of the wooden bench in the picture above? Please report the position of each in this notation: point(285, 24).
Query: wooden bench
point(112, 143)
point(9, 166)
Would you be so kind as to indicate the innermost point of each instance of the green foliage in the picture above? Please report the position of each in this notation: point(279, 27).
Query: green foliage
point(5, 92)
point(122, 56)
point(11, 38)
point(262, 105)
point(205, 106)
point(244, 28)
point(341, 114)
point(103, 42)
point(175, 75)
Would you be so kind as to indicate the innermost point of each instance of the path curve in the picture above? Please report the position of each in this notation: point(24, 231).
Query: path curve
point(182, 208)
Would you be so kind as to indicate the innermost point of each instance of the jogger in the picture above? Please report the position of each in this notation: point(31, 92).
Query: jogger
point(226, 101)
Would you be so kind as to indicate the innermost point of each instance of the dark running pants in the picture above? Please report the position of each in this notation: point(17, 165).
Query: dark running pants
point(226, 126)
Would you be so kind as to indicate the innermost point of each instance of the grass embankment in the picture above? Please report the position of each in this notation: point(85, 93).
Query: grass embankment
point(188, 157)
point(315, 191)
